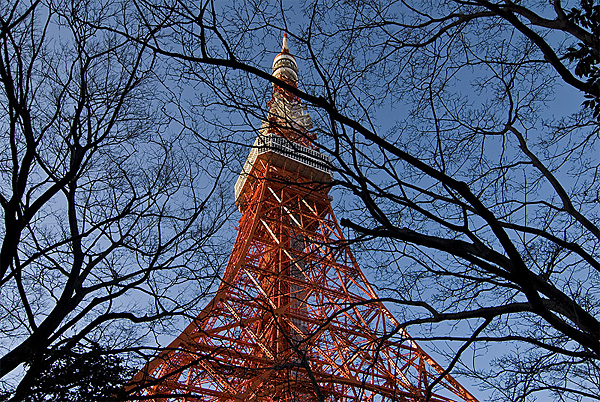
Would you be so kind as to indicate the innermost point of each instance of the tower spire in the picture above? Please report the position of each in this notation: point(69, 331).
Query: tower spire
point(284, 64)
point(288, 118)
point(284, 47)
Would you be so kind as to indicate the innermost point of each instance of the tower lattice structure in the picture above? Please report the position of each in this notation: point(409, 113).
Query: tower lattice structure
point(294, 318)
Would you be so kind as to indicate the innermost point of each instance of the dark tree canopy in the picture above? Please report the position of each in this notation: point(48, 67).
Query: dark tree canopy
point(465, 136)
point(90, 374)
point(586, 53)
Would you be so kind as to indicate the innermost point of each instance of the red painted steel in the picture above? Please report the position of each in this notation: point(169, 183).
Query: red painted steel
point(294, 318)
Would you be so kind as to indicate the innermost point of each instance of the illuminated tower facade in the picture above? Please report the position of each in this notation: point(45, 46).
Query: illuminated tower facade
point(294, 318)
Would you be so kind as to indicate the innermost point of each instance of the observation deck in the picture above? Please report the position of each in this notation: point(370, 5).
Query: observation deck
point(286, 154)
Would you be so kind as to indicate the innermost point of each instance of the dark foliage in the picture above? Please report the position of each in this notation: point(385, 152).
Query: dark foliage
point(587, 54)
point(80, 374)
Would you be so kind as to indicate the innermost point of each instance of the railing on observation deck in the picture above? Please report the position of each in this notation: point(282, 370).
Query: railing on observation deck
point(310, 163)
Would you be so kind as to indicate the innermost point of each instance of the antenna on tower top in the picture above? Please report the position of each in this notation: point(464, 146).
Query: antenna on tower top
point(285, 48)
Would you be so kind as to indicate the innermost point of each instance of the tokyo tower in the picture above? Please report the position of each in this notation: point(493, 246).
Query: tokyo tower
point(294, 318)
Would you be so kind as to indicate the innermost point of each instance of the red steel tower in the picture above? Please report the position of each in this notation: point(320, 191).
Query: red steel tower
point(294, 318)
